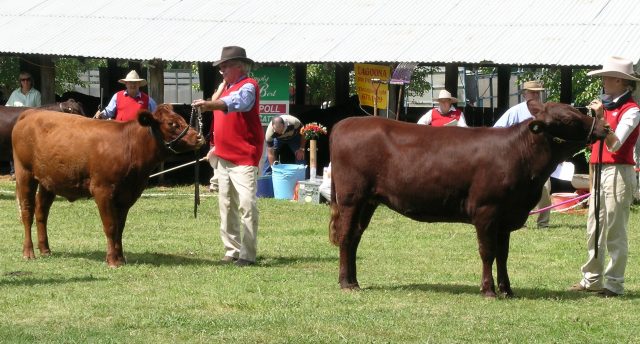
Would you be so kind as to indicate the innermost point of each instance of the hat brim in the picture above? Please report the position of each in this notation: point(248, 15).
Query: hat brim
point(613, 74)
point(453, 99)
point(245, 59)
point(142, 82)
point(535, 89)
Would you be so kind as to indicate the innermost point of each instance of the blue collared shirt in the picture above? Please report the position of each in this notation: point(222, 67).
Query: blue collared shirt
point(241, 100)
point(516, 114)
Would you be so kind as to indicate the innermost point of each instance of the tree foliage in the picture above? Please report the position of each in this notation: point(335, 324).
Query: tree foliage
point(584, 88)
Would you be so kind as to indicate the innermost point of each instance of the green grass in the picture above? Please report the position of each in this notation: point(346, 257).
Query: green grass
point(420, 281)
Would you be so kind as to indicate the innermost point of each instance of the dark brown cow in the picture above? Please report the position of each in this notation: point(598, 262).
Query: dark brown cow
point(9, 116)
point(488, 177)
point(76, 157)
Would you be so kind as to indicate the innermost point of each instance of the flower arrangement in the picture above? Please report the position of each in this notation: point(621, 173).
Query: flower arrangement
point(313, 130)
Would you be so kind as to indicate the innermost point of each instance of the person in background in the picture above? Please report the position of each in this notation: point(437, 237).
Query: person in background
point(445, 114)
point(125, 104)
point(622, 113)
point(25, 95)
point(531, 90)
point(238, 143)
point(284, 130)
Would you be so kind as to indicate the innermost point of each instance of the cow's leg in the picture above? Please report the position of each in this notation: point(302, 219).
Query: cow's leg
point(119, 251)
point(502, 253)
point(26, 187)
point(355, 220)
point(44, 199)
point(486, 247)
point(110, 226)
point(344, 222)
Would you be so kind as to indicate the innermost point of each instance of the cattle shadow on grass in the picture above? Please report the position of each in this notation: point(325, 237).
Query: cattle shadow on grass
point(521, 293)
point(146, 258)
point(18, 278)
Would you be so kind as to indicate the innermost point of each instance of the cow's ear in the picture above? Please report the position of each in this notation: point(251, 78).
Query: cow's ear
point(534, 107)
point(145, 118)
point(537, 126)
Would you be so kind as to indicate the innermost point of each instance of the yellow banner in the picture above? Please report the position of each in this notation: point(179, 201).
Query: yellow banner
point(366, 88)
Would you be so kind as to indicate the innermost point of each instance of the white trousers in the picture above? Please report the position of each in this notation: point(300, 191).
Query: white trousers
point(238, 209)
point(617, 187)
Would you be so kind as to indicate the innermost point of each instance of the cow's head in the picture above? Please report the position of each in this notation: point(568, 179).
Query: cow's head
point(72, 106)
point(171, 129)
point(564, 124)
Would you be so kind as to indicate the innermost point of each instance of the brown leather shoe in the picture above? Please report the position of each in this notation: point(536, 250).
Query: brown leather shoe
point(243, 262)
point(608, 293)
point(579, 287)
point(228, 260)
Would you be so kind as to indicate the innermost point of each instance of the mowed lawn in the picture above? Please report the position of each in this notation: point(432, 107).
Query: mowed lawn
point(420, 281)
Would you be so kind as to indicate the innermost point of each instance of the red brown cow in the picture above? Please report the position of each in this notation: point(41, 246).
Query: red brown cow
point(488, 177)
point(76, 157)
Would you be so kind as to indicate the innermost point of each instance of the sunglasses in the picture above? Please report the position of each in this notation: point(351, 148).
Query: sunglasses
point(25, 79)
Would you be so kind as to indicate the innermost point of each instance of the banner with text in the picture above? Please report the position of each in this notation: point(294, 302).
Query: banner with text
point(366, 88)
point(274, 92)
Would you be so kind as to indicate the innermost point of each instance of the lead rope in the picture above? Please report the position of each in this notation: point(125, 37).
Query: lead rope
point(596, 189)
point(196, 122)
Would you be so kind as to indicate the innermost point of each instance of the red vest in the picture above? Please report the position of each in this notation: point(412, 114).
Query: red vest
point(127, 107)
point(624, 155)
point(438, 120)
point(239, 135)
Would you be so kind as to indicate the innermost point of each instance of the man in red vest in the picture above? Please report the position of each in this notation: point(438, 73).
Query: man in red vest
point(445, 114)
point(622, 113)
point(238, 142)
point(125, 104)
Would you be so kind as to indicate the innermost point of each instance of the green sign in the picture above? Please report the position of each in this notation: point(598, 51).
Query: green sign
point(274, 92)
point(274, 83)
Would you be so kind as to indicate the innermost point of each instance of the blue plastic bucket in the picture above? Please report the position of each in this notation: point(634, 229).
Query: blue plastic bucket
point(285, 177)
point(265, 187)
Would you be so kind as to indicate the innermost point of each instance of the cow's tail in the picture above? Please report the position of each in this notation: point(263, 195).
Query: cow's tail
point(335, 214)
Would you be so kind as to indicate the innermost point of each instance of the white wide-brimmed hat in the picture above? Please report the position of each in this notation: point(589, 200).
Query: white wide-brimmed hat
point(444, 94)
point(616, 67)
point(532, 85)
point(132, 77)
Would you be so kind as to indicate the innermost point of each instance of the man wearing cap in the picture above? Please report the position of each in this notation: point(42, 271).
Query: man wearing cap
point(125, 104)
point(238, 142)
point(445, 114)
point(618, 108)
point(531, 90)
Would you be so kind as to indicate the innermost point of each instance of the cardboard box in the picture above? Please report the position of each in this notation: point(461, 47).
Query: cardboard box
point(308, 191)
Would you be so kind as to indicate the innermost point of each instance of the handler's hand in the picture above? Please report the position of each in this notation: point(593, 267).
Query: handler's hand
point(98, 115)
point(596, 106)
point(198, 102)
point(300, 154)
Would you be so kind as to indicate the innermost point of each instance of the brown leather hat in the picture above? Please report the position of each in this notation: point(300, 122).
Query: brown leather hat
point(233, 53)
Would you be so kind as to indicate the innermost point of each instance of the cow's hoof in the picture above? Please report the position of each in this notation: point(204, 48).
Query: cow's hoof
point(489, 294)
point(116, 263)
point(45, 253)
point(350, 286)
point(28, 255)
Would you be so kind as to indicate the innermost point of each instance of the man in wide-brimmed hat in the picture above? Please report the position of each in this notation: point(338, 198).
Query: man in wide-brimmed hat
point(445, 114)
point(125, 104)
point(530, 90)
point(238, 142)
point(618, 108)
